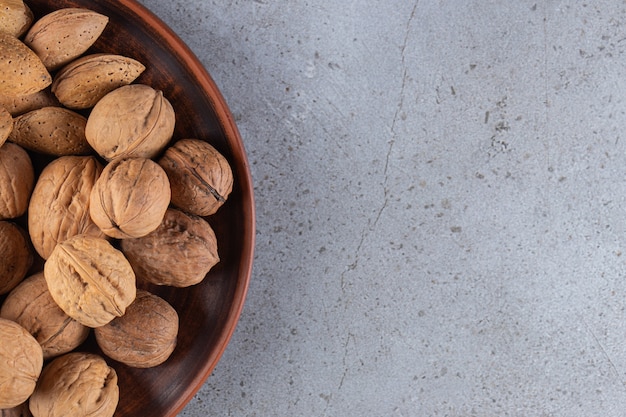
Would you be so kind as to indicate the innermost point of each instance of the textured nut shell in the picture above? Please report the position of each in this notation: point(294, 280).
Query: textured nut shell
point(21, 360)
point(180, 252)
point(6, 124)
point(15, 17)
point(17, 179)
point(51, 130)
point(130, 198)
point(23, 104)
point(145, 336)
point(16, 256)
point(59, 204)
point(65, 34)
point(84, 81)
point(200, 176)
point(31, 306)
point(21, 410)
point(76, 385)
point(90, 280)
point(133, 120)
point(22, 70)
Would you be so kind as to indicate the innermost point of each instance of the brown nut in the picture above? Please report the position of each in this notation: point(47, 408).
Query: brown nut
point(65, 34)
point(90, 280)
point(180, 252)
point(17, 179)
point(15, 17)
point(130, 198)
point(22, 70)
point(21, 360)
point(51, 130)
point(200, 176)
point(133, 120)
point(17, 105)
point(21, 410)
point(76, 384)
point(31, 306)
point(59, 204)
point(16, 256)
point(6, 124)
point(84, 81)
point(145, 336)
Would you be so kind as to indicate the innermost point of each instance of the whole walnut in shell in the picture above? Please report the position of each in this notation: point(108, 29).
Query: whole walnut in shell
point(145, 336)
point(180, 252)
point(90, 280)
point(200, 176)
point(59, 204)
point(133, 120)
point(32, 307)
point(130, 198)
point(76, 384)
point(16, 255)
point(17, 178)
point(21, 360)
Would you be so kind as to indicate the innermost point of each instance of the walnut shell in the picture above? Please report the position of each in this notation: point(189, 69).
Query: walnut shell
point(76, 384)
point(63, 35)
point(179, 253)
point(90, 280)
point(31, 306)
point(51, 130)
point(17, 179)
point(6, 124)
point(16, 256)
point(133, 120)
point(84, 81)
point(130, 198)
point(15, 17)
point(17, 105)
point(145, 336)
point(22, 70)
point(59, 204)
point(200, 176)
point(21, 360)
point(21, 410)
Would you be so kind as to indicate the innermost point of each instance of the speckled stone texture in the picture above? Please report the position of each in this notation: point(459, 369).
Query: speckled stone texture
point(440, 191)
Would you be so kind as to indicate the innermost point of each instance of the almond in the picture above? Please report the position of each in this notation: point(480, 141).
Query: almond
point(15, 17)
point(22, 70)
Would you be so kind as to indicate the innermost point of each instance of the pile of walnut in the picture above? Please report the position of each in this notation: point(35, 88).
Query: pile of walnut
point(119, 201)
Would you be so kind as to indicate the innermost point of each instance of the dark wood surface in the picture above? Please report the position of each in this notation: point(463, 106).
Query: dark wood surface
point(208, 311)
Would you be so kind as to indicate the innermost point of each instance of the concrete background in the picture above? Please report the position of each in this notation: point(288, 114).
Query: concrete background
point(440, 191)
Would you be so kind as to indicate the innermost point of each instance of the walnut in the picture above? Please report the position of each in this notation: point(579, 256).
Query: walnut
point(31, 306)
point(76, 384)
point(130, 198)
point(145, 336)
point(21, 360)
point(21, 410)
point(59, 204)
point(132, 120)
point(200, 176)
point(16, 256)
point(180, 252)
point(17, 178)
point(90, 280)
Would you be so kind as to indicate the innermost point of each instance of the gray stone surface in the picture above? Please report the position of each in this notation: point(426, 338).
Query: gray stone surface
point(440, 194)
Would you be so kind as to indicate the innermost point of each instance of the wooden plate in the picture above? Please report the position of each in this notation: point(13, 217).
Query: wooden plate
point(210, 310)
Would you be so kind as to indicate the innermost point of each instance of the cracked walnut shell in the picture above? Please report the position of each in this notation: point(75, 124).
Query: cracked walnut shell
point(31, 306)
point(21, 360)
point(76, 384)
point(59, 204)
point(130, 198)
point(179, 253)
point(90, 280)
point(145, 336)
